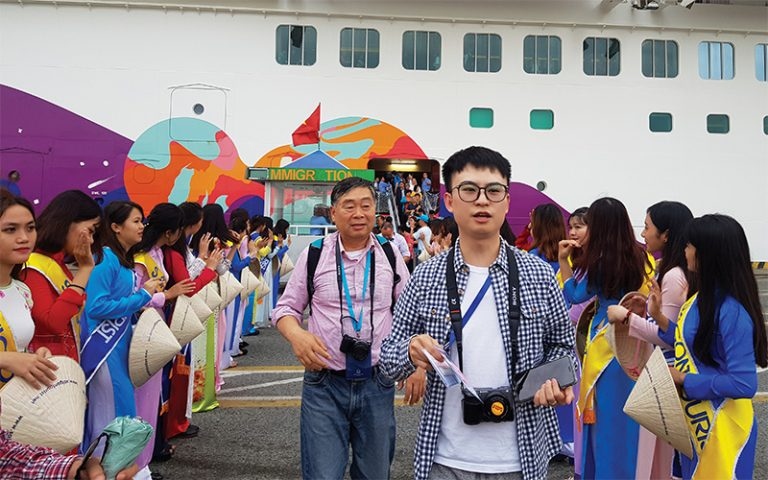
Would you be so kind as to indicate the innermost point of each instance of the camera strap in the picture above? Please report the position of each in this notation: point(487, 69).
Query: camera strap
point(454, 304)
point(341, 281)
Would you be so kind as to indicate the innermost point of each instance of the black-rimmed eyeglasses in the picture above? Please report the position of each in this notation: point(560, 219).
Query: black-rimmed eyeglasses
point(469, 192)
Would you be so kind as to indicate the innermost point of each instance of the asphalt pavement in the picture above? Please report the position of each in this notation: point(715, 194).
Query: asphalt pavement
point(254, 434)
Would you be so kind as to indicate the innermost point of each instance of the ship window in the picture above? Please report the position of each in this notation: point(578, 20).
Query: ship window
point(716, 61)
point(542, 54)
point(761, 62)
point(602, 56)
point(659, 58)
point(480, 117)
point(718, 123)
point(421, 50)
point(296, 45)
point(542, 119)
point(765, 125)
point(660, 122)
point(359, 48)
point(482, 52)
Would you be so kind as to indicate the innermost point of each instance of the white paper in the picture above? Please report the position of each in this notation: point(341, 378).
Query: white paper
point(449, 372)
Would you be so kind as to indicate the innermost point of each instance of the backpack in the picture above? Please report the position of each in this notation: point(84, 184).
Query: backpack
point(313, 257)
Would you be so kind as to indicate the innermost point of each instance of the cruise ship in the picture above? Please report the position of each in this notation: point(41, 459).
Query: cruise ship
point(163, 100)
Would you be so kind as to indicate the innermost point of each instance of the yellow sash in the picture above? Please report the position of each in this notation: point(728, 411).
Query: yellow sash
point(718, 435)
point(153, 269)
point(55, 275)
point(7, 344)
point(597, 356)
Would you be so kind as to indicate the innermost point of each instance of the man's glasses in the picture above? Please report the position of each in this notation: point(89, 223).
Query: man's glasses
point(469, 192)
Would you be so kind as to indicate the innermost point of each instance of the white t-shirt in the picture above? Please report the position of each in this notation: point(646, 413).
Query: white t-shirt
point(487, 447)
point(424, 235)
point(15, 305)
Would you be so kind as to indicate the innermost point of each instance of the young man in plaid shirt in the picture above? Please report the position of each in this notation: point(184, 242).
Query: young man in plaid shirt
point(449, 446)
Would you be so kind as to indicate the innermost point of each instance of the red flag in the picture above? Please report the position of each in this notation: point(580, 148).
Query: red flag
point(309, 131)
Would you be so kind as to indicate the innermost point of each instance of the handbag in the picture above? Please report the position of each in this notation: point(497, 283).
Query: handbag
point(423, 256)
point(125, 437)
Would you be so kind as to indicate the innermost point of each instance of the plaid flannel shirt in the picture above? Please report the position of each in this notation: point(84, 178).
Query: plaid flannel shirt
point(19, 461)
point(545, 333)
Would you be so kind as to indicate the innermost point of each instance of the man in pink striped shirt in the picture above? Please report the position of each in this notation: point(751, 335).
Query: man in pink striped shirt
point(346, 400)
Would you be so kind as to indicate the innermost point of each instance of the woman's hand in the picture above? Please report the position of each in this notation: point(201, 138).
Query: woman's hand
point(654, 300)
point(184, 287)
point(214, 258)
point(677, 376)
point(565, 248)
point(153, 285)
point(82, 250)
point(35, 368)
point(202, 247)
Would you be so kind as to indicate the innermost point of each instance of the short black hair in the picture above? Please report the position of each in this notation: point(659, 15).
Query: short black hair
point(348, 184)
point(478, 157)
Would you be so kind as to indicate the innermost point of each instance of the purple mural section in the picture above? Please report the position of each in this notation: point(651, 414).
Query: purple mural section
point(53, 150)
point(522, 199)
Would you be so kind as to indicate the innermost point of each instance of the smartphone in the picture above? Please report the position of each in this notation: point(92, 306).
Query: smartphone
point(561, 370)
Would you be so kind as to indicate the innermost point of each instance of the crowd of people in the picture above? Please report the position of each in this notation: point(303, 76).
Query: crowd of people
point(381, 318)
point(74, 281)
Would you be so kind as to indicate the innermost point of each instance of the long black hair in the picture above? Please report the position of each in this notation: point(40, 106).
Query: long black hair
point(672, 218)
point(118, 212)
point(723, 268)
point(66, 208)
point(547, 229)
point(163, 218)
point(191, 213)
point(213, 223)
point(614, 262)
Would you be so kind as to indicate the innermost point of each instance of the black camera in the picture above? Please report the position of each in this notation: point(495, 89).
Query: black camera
point(358, 349)
point(496, 406)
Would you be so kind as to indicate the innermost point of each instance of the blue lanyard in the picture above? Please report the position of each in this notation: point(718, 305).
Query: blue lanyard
point(473, 306)
point(357, 323)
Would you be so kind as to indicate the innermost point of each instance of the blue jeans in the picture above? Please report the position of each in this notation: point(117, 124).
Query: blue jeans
point(336, 412)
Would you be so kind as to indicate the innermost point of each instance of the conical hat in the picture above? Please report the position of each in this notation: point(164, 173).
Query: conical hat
point(229, 288)
point(654, 404)
point(201, 309)
point(262, 289)
point(185, 322)
point(582, 327)
point(286, 266)
point(52, 417)
point(153, 345)
point(631, 352)
point(249, 281)
point(210, 296)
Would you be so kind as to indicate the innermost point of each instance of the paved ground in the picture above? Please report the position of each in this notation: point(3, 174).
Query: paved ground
point(255, 433)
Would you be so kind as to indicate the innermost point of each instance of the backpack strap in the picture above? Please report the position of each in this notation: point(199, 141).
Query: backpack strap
point(386, 245)
point(313, 258)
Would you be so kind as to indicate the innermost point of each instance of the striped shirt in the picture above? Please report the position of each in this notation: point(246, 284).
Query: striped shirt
point(545, 334)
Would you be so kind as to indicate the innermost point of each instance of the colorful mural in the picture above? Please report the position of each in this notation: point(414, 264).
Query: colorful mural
point(181, 159)
point(351, 141)
point(187, 159)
